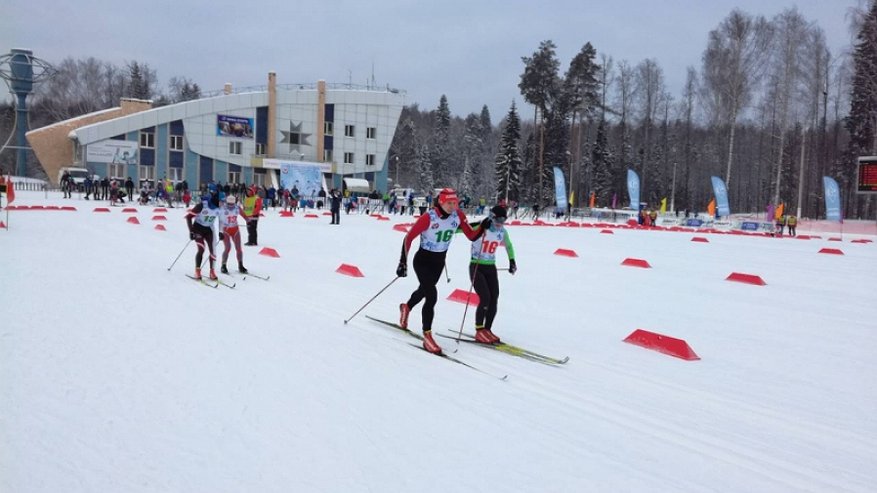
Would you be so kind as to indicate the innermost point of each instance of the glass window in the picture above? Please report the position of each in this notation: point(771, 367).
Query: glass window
point(147, 173)
point(147, 139)
point(328, 128)
point(234, 176)
point(176, 174)
point(348, 131)
point(370, 159)
point(371, 133)
point(176, 142)
point(327, 155)
point(260, 149)
point(234, 147)
point(348, 158)
point(118, 170)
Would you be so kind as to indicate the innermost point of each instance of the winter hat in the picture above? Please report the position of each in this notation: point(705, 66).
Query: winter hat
point(447, 195)
point(214, 201)
point(498, 211)
point(231, 199)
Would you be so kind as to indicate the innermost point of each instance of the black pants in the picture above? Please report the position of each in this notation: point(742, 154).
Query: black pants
point(486, 284)
point(204, 239)
point(428, 266)
point(336, 215)
point(252, 233)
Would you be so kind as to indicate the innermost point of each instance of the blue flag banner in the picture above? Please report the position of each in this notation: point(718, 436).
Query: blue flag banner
point(559, 189)
point(832, 199)
point(721, 193)
point(633, 188)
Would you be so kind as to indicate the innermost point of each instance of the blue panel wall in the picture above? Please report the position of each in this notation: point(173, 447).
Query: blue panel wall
point(161, 142)
point(220, 171)
point(176, 127)
point(192, 168)
point(175, 159)
point(206, 170)
point(147, 156)
point(247, 175)
point(330, 112)
point(328, 142)
point(132, 168)
point(262, 125)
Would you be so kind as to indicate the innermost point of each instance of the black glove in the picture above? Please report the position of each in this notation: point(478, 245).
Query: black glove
point(485, 224)
point(191, 235)
point(402, 269)
point(221, 236)
point(513, 267)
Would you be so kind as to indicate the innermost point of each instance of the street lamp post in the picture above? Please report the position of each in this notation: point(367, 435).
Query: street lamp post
point(396, 181)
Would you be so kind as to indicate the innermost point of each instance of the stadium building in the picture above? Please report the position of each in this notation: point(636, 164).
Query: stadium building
point(248, 136)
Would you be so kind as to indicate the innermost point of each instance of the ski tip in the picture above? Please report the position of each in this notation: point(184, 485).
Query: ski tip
point(504, 378)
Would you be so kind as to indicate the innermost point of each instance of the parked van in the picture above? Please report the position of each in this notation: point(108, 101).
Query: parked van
point(78, 175)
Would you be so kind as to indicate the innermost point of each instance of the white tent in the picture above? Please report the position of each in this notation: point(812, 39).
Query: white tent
point(357, 185)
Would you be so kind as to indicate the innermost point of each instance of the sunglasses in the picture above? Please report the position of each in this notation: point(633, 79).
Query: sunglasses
point(499, 219)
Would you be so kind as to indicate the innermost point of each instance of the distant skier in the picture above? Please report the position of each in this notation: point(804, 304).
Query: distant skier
point(229, 232)
point(436, 229)
point(482, 270)
point(204, 215)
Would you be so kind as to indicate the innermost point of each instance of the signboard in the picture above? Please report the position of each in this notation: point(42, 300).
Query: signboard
point(749, 226)
point(112, 151)
point(866, 180)
point(234, 126)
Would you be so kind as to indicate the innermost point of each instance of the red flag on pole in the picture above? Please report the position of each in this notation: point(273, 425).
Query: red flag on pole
point(10, 191)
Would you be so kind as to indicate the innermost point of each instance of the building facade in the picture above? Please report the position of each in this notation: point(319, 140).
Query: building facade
point(237, 137)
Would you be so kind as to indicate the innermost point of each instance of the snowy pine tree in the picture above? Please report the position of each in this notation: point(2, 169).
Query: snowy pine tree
point(508, 160)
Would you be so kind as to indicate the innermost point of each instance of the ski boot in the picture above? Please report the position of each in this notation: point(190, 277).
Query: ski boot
point(241, 268)
point(403, 315)
point(429, 343)
point(223, 269)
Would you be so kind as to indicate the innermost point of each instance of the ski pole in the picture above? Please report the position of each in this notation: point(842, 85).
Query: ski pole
point(180, 255)
point(367, 303)
point(469, 294)
point(446, 273)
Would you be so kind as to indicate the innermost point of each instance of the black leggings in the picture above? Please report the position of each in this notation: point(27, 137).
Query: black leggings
point(486, 284)
point(428, 266)
point(204, 239)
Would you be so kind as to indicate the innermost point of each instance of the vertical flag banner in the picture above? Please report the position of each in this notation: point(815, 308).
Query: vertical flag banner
point(721, 193)
point(559, 189)
point(778, 213)
point(10, 191)
point(572, 198)
point(664, 205)
point(711, 207)
point(614, 199)
point(633, 188)
point(593, 200)
point(832, 199)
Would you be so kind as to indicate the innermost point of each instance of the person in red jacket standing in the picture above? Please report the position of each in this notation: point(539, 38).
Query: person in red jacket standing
point(436, 229)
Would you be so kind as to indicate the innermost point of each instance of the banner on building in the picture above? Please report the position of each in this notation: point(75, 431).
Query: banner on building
point(307, 179)
point(234, 126)
point(633, 189)
point(721, 193)
point(112, 152)
point(832, 199)
point(559, 189)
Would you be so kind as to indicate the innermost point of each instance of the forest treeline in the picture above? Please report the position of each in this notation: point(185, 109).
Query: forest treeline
point(769, 109)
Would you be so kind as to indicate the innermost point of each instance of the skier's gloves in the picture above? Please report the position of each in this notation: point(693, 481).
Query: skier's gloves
point(513, 267)
point(402, 270)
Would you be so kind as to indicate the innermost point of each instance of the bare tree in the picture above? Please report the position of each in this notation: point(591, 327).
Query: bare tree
point(733, 63)
point(792, 31)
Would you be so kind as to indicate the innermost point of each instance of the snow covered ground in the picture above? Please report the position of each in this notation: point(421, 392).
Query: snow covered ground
point(118, 375)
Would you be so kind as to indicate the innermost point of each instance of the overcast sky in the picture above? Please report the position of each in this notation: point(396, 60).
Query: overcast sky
point(469, 50)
